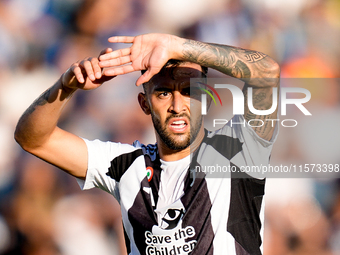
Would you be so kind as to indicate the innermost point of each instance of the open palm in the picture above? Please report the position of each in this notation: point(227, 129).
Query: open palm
point(148, 52)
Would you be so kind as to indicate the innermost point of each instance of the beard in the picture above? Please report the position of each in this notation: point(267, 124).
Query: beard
point(170, 139)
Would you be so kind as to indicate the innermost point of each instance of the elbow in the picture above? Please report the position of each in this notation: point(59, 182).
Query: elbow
point(21, 138)
point(272, 69)
point(24, 144)
point(17, 136)
point(270, 74)
point(275, 75)
point(275, 70)
point(32, 142)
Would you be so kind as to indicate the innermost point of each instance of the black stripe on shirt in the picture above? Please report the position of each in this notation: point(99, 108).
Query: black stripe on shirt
point(120, 164)
point(245, 205)
point(226, 145)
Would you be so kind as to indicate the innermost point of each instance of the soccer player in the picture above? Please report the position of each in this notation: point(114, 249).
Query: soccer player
point(166, 209)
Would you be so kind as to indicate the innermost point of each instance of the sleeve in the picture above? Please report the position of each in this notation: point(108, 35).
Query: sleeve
point(256, 151)
point(100, 156)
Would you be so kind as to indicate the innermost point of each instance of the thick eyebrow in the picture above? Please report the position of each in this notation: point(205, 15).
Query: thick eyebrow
point(158, 89)
point(186, 89)
point(190, 74)
point(187, 73)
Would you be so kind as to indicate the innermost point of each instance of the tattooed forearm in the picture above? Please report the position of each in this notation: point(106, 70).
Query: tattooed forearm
point(233, 61)
point(211, 55)
point(259, 97)
point(254, 56)
point(193, 50)
point(241, 70)
point(42, 100)
point(40, 120)
point(260, 123)
point(262, 99)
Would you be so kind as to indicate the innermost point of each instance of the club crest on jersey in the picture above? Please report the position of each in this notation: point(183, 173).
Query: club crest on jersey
point(149, 173)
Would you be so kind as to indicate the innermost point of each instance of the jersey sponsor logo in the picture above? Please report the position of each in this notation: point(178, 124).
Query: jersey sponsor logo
point(169, 237)
point(172, 243)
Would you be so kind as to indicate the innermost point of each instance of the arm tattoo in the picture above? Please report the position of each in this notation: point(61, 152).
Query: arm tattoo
point(262, 100)
point(254, 56)
point(233, 61)
point(241, 70)
point(42, 100)
point(193, 50)
point(208, 55)
point(259, 97)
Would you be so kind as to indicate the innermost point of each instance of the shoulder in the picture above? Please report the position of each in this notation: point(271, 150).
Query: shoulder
point(150, 149)
point(112, 151)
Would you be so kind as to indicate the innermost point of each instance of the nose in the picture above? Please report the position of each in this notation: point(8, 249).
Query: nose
point(178, 103)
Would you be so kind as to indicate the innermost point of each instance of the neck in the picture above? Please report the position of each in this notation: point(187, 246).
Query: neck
point(168, 154)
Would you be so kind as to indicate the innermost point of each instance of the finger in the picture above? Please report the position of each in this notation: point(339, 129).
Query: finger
point(89, 70)
point(97, 70)
point(115, 54)
point(115, 62)
point(77, 73)
point(105, 51)
point(147, 76)
point(119, 70)
point(121, 39)
point(91, 66)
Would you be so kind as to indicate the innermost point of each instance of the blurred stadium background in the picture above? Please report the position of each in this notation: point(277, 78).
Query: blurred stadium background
point(42, 210)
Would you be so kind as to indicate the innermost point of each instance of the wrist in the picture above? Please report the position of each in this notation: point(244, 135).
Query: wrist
point(64, 88)
point(177, 48)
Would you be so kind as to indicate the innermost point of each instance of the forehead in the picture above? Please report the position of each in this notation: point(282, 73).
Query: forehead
point(172, 77)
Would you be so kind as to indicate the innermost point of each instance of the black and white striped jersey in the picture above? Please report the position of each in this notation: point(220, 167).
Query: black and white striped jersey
point(218, 211)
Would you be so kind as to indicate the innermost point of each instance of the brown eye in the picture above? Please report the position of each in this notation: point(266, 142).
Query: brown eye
point(163, 94)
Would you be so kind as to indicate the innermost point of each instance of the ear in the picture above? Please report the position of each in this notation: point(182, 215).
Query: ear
point(143, 103)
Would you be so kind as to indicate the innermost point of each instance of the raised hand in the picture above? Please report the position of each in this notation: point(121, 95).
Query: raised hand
point(85, 74)
point(148, 52)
